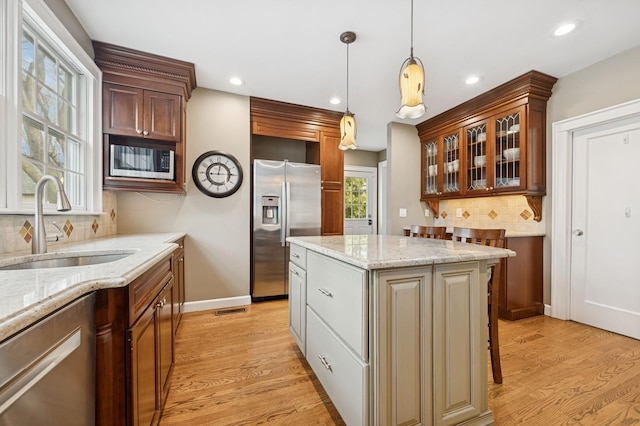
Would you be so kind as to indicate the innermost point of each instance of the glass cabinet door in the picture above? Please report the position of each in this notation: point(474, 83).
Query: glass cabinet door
point(430, 171)
point(451, 163)
point(507, 170)
point(477, 162)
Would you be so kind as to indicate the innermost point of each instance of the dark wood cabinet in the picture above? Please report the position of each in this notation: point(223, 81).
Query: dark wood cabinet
point(130, 111)
point(178, 285)
point(521, 290)
point(315, 127)
point(135, 348)
point(144, 102)
point(493, 144)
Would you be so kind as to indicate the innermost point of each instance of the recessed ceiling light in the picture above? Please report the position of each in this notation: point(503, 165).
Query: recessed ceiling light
point(236, 81)
point(334, 101)
point(565, 29)
point(472, 79)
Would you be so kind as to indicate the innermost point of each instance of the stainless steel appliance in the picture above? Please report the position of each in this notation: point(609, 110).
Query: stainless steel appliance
point(286, 202)
point(141, 162)
point(47, 372)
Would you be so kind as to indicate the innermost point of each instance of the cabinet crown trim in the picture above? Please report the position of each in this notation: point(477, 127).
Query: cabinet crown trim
point(283, 111)
point(532, 84)
point(110, 57)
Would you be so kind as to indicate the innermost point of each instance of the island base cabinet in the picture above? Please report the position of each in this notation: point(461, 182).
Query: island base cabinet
point(403, 347)
point(342, 374)
point(460, 334)
point(297, 305)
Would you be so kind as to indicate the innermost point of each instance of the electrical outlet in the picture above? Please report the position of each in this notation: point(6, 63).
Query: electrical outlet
point(458, 212)
point(426, 212)
point(403, 212)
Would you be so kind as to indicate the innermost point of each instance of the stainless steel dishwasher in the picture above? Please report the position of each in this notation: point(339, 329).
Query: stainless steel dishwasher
point(47, 372)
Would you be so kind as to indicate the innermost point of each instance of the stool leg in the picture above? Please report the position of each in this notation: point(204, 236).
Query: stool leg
point(494, 343)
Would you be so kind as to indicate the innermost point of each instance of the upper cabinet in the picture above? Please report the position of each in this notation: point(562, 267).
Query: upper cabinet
point(144, 105)
point(320, 130)
point(493, 144)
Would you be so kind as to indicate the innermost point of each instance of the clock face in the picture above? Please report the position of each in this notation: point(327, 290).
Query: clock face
point(217, 174)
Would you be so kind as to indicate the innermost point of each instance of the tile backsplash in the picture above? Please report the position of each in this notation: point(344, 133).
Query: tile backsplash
point(16, 230)
point(511, 212)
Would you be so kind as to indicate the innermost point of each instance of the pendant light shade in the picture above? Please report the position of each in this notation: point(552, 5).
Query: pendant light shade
point(348, 121)
point(411, 81)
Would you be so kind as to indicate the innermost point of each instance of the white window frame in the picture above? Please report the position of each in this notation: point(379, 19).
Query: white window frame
point(47, 24)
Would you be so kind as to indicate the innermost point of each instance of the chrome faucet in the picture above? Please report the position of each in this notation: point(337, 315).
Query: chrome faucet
point(39, 242)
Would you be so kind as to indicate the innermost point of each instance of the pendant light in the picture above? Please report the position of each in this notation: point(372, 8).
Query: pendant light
point(348, 121)
point(411, 84)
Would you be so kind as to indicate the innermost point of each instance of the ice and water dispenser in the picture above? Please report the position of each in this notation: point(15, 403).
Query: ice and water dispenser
point(270, 205)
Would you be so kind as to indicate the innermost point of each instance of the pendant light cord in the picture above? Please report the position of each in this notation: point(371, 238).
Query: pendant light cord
point(411, 28)
point(348, 77)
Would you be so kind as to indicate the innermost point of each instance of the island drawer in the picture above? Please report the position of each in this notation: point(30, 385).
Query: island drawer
point(336, 292)
point(343, 375)
point(298, 255)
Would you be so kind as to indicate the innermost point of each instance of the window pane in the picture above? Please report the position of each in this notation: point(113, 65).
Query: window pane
point(47, 103)
point(65, 84)
point(46, 68)
point(65, 116)
point(31, 174)
point(27, 53)
point(28, 93)
point(32, 139)
point(73, 156)
point(56, 149)
point(73, 188)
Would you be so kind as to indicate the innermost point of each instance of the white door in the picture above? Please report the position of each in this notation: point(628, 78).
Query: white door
point(360, 200)
point(605, 281)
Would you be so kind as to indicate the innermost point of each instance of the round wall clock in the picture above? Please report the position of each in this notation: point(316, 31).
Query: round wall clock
point(217, 174)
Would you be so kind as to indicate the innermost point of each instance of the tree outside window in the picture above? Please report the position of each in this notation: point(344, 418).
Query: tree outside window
point(355, 198)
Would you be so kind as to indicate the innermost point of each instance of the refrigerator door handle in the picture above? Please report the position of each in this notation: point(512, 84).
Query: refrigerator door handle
point(284, 205)
point(288, 210)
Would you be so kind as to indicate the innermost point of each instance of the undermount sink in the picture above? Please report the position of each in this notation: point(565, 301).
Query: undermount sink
point(64, 260)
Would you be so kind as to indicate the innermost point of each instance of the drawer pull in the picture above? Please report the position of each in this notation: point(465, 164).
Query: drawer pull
point(324, 362)
point(296, 255)
point(325, 292)
point(294, 272)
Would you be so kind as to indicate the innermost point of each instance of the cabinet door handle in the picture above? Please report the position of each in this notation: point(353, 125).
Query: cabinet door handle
point(138, 131)
point(296, 255)
point(325, 292)
point(325, 363)
point(181, 259)
point(294, 272)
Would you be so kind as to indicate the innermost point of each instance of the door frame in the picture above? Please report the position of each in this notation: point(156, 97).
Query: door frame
point(374, 180)
point(562, 195)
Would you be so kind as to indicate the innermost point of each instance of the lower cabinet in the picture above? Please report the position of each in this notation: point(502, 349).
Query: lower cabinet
point(401, 346)
point(151, 349)
point(135, 348)
point(178, 285)
point(297, 305)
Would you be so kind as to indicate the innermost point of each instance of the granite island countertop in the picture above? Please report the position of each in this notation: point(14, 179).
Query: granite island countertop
point(391, 251)
point(31, 294)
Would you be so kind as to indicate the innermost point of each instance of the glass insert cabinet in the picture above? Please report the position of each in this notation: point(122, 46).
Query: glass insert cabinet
point(493, 144)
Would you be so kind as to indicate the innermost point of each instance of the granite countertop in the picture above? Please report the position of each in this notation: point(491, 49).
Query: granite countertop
point(29, 295)
point(391, 251)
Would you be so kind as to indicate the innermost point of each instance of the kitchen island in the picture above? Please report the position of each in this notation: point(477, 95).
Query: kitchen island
point(394, 327)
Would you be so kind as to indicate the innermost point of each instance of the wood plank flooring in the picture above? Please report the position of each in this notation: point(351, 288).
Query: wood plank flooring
point(245, 369)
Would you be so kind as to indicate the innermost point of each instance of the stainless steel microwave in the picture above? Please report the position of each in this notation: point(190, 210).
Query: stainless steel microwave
point(142, 162)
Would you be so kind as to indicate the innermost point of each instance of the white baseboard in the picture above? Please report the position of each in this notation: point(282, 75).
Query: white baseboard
point(227, 302)
point(547, 310)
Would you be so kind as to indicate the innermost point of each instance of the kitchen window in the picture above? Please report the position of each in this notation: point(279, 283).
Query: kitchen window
point(50, 101)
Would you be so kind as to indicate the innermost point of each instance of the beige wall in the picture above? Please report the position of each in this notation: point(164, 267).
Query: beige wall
point(361, 158)
point(69, 20)
point(403, 178)
point(217, 247)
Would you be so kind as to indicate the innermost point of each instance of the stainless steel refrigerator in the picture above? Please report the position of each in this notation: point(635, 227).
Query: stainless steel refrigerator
point(286, 202)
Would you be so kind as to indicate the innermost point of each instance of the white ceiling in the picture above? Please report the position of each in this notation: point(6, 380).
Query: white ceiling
point(289, 50)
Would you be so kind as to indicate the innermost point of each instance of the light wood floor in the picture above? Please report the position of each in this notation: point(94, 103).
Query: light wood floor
point(245, 369)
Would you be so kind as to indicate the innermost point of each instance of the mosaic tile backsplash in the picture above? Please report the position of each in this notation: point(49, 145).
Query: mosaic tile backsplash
point(16, 231)
point(510, 212)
